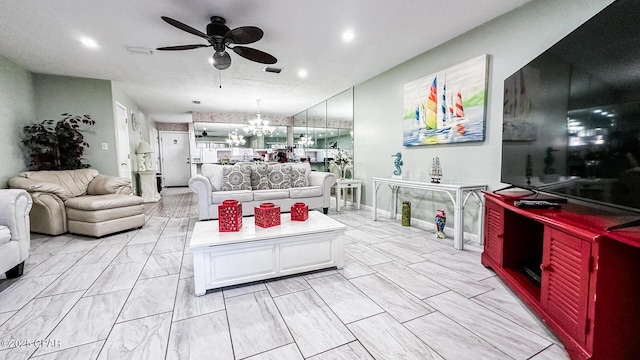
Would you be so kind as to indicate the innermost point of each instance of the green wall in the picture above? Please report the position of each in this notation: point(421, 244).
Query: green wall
point(17, 108)
point(511, 41)
point(55, 95)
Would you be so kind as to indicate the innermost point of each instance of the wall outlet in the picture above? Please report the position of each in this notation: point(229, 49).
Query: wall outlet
point(105, 146)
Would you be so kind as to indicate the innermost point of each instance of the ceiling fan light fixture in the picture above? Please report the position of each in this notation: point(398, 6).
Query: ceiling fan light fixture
point(221, 60)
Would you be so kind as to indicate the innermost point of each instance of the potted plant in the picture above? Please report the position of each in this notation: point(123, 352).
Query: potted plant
point(57, 145)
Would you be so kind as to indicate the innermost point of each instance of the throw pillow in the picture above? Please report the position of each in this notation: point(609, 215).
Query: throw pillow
point(298, 177)
point(260, 176)
point(236, 177)
point(280, 177)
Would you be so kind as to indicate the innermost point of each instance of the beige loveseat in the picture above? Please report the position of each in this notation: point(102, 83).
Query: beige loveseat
point(80, 201)
point(253, 184)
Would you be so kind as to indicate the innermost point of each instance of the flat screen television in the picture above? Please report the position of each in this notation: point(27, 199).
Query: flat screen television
point(571, 124)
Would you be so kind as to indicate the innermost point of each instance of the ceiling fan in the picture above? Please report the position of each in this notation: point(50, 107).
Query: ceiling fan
point(221, 38)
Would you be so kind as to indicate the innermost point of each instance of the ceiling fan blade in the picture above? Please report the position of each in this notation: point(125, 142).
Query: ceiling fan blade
point(183, 47)
point(184, 27)
point(244, 35)
point(254, 54)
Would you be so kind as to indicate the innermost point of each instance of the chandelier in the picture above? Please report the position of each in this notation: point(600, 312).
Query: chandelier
point(259, 127)
point(306, 141)
point(235, 139)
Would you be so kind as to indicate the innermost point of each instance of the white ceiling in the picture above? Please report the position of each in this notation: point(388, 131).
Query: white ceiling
point(43, 37)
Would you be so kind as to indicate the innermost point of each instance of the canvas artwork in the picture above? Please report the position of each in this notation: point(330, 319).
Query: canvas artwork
point(518, 122)
point(448, 106)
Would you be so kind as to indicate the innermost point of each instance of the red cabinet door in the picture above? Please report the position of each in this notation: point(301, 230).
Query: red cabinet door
point(494, 232)
point(565, 281)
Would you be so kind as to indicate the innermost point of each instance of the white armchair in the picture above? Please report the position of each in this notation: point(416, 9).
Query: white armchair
point(15, 237)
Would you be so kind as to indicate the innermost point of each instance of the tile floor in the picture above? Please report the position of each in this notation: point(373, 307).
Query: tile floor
point(403, 294)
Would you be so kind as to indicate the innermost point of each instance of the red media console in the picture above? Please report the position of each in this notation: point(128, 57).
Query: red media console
point(582, 280)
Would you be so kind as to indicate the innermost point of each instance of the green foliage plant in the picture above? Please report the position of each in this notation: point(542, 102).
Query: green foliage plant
point(57, 145)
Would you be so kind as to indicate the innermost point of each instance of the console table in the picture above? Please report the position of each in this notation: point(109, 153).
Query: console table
point(455, 190)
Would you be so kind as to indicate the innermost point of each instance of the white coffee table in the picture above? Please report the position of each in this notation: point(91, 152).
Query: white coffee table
point(255, 253)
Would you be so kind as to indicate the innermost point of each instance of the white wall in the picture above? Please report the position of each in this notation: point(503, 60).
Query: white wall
point(511, 40)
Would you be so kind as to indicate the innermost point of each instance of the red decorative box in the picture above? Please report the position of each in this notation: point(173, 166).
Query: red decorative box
point(267, 215)
point(299, 212)
point(230, 216)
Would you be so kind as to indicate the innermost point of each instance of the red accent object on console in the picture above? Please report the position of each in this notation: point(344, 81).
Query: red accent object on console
point(230, 216)
point(267, 215)
point(299, 212)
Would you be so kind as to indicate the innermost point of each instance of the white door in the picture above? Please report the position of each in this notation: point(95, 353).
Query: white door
point(174, 156)
point(122, 141)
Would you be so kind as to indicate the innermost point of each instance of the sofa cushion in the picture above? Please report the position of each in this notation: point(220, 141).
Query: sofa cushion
point(298, 177)
point(74, 181)
point(305, 192)
point(236, 177)
point(302, 166)
point(213, 172)
point(217, 197)
point(280, 177)
point(105, 214)
point(5, 234)
point(260, 176)
point(273, 194)
point(101, 202)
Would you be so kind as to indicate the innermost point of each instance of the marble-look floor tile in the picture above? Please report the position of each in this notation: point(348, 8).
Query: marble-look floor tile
point(461, 263)
point(116, 277)
point(354, 268)
point(385, 338)
point(162, 264)
point(397, 253)
point(16, 353)
point(189, 305)
point(78, 277)
point(365, 254)
point(237, 290)
point(376, 231)
point(453, 280)
point(255, 324)
point(34, 260)
point(56, 264)
point(287, 352)
point(149, 297)
point(287, 285)
point(38, 317)
point(200, 338)
point(144, 338)
point(503, 302)
point(398, 302)
point(119, 238)
point(420, 286)
point(6, 315)
point(88, 321)
point(50, 245)
point(351, 351)
point(362, 237)
point(451, 340)
point(421, 244)
point(169, 244)
point(84, 352)
point(319, 273)
point(134, 253)
point(313, 325)
point(101, 254)
point(553, 352)
point(504, 334)
point(21, 292)
point(346, 301)
point(186, 269)
point(76, 245)
point(174, 231)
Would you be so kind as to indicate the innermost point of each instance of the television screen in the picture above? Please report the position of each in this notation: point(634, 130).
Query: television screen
point(571, 122)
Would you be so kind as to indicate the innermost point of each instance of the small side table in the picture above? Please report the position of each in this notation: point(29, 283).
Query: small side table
point(149, 186)
point(344, 184)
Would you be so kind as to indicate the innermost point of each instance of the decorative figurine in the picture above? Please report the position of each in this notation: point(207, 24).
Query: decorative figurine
point(398, 164)
point(436, 171)
point(440, 220)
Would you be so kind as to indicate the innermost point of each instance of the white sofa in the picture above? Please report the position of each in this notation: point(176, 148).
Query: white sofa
point(252, 184)
point(15, 238)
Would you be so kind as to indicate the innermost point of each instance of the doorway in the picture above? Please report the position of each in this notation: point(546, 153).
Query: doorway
point(174, 158)
point(122, 141)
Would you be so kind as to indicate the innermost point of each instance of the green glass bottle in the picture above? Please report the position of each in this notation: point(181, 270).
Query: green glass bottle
point(406, 213)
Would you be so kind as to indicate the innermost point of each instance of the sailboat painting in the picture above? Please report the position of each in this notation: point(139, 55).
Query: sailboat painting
point(448, 106)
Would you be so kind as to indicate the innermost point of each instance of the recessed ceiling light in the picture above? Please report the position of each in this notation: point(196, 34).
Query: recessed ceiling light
point(302, 73)
point(197, 102)
point(139, 50)
point(348, 36)
point(88, 42)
